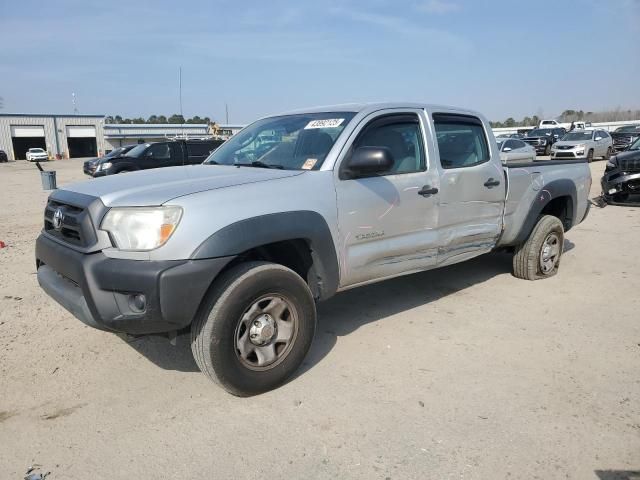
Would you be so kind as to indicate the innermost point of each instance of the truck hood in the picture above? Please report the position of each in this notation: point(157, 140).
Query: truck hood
point(628, 155)
point(158, 186)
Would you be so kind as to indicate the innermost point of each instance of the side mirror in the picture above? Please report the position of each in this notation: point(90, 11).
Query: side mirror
point(597, 139)
point(367, 161)
point(506, 149)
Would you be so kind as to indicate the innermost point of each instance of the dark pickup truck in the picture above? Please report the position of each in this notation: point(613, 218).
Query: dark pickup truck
point(171, 153)
point(543, 138)
point(624, 137)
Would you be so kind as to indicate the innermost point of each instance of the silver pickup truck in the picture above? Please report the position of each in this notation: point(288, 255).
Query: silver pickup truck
point(290, 211)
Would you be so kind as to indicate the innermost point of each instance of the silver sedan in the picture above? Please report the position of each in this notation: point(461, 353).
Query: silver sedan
point(514, 150)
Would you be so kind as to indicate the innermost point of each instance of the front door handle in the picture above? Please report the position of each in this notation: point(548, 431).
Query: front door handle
point(427, 191)
point(491, 183)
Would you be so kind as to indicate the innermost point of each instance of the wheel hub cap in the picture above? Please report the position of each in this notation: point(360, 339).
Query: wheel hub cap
point(262, 330)
point(550, 253)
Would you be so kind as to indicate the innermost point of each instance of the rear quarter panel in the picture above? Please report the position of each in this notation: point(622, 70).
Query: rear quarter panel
point(532, 186)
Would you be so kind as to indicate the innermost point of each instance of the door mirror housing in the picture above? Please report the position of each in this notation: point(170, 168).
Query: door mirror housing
point(597, 139)
point(369, 161)
point(506, 149)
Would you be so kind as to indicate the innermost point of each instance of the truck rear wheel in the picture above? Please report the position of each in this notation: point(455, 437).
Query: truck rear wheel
point(254, 328)
point(539, 256)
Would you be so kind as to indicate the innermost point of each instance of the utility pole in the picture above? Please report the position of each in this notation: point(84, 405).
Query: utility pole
point(226, 108)
point(180, 89)
point(73, 102)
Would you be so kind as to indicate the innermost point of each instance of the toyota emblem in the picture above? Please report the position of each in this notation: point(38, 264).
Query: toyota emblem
point(57, 219)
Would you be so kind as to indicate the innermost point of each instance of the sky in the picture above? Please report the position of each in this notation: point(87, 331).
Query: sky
point(500, 57)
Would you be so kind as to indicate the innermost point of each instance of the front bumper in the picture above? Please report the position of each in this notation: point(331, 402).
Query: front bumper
point(617, 182)
point(540, 149)
point(570, 154)
point(100, 291)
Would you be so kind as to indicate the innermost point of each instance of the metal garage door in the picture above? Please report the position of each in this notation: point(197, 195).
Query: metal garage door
point(27, 131)
point(83, 131)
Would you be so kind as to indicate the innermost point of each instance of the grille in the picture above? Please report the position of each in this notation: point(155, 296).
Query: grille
point(631, 165)
point(75, 227)
point(564, 147)
point(622, 140)
point(565, 155)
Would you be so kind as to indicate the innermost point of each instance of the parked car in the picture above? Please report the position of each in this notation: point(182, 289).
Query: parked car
point(543, 138)
point(37, 155)
point(3, 156)
point(509, 135)
point(583, 144)
point(90, 165)
point(622, 175)
point(240, 248)
point(155, 155)
point(624, 137)
point(515, 150)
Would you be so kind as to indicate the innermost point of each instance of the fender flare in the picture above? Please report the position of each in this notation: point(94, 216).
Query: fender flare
point(550, 191)
point(253, 232)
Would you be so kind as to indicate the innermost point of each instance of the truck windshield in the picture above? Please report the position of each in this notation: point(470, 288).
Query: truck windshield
point(569, 137)
point(539, 132)
point(290, 142)
point(628, 129)
point(137, 150)
point(636, 145)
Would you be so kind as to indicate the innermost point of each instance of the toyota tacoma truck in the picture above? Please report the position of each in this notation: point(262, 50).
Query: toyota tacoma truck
point(240, 248)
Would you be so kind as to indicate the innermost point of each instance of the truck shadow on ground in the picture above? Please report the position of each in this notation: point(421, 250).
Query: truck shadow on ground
point(618, 474)
point(348, 311)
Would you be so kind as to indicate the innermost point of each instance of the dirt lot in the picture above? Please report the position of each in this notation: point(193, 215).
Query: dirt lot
point(464, 372)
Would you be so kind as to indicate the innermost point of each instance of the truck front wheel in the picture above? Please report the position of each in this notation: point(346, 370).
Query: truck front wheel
point(539, 256)
point(254, 328)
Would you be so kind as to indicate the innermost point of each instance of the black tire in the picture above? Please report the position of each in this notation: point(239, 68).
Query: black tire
point(607, 156)
point(590, 156)
point(527, 258)
point(547, 150)
point(215, 329)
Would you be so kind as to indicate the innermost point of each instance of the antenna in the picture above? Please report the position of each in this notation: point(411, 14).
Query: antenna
point(73, 102)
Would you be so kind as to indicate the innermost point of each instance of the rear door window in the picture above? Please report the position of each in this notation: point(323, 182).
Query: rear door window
point(461, 140)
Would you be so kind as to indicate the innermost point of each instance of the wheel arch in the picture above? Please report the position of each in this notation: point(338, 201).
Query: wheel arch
point(300, 240)
point(557, 198)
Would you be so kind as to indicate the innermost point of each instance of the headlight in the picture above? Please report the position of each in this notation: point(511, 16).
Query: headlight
point(580, 147)
point(104, 166)
point(141, 228)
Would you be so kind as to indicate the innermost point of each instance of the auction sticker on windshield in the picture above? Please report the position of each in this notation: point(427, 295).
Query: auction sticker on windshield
point(327, 123)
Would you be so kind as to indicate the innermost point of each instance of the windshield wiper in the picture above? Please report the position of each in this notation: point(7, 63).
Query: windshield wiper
point(259, 164)
point(211, 162)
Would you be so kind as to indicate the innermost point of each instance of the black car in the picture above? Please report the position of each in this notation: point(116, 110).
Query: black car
point(156, 155)
point(542, 138)
point(3, 156)
point(90, 165)
point(623, 137)
point(622, 175)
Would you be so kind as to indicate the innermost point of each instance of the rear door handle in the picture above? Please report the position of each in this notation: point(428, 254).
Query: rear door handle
point(491, 183)
point(427, 191)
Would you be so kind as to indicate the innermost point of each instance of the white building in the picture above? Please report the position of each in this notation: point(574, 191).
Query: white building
point(73, 136)
point(68, 136)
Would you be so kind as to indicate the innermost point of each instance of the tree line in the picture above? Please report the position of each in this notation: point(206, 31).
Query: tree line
point(574, 116)
point(175, 118)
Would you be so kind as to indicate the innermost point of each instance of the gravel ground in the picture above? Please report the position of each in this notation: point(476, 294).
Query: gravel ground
point(463, 372)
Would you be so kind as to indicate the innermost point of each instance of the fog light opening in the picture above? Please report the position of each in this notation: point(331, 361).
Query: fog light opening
point(138, 302)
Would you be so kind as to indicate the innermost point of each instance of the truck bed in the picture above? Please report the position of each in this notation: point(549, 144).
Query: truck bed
point(531, 185)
